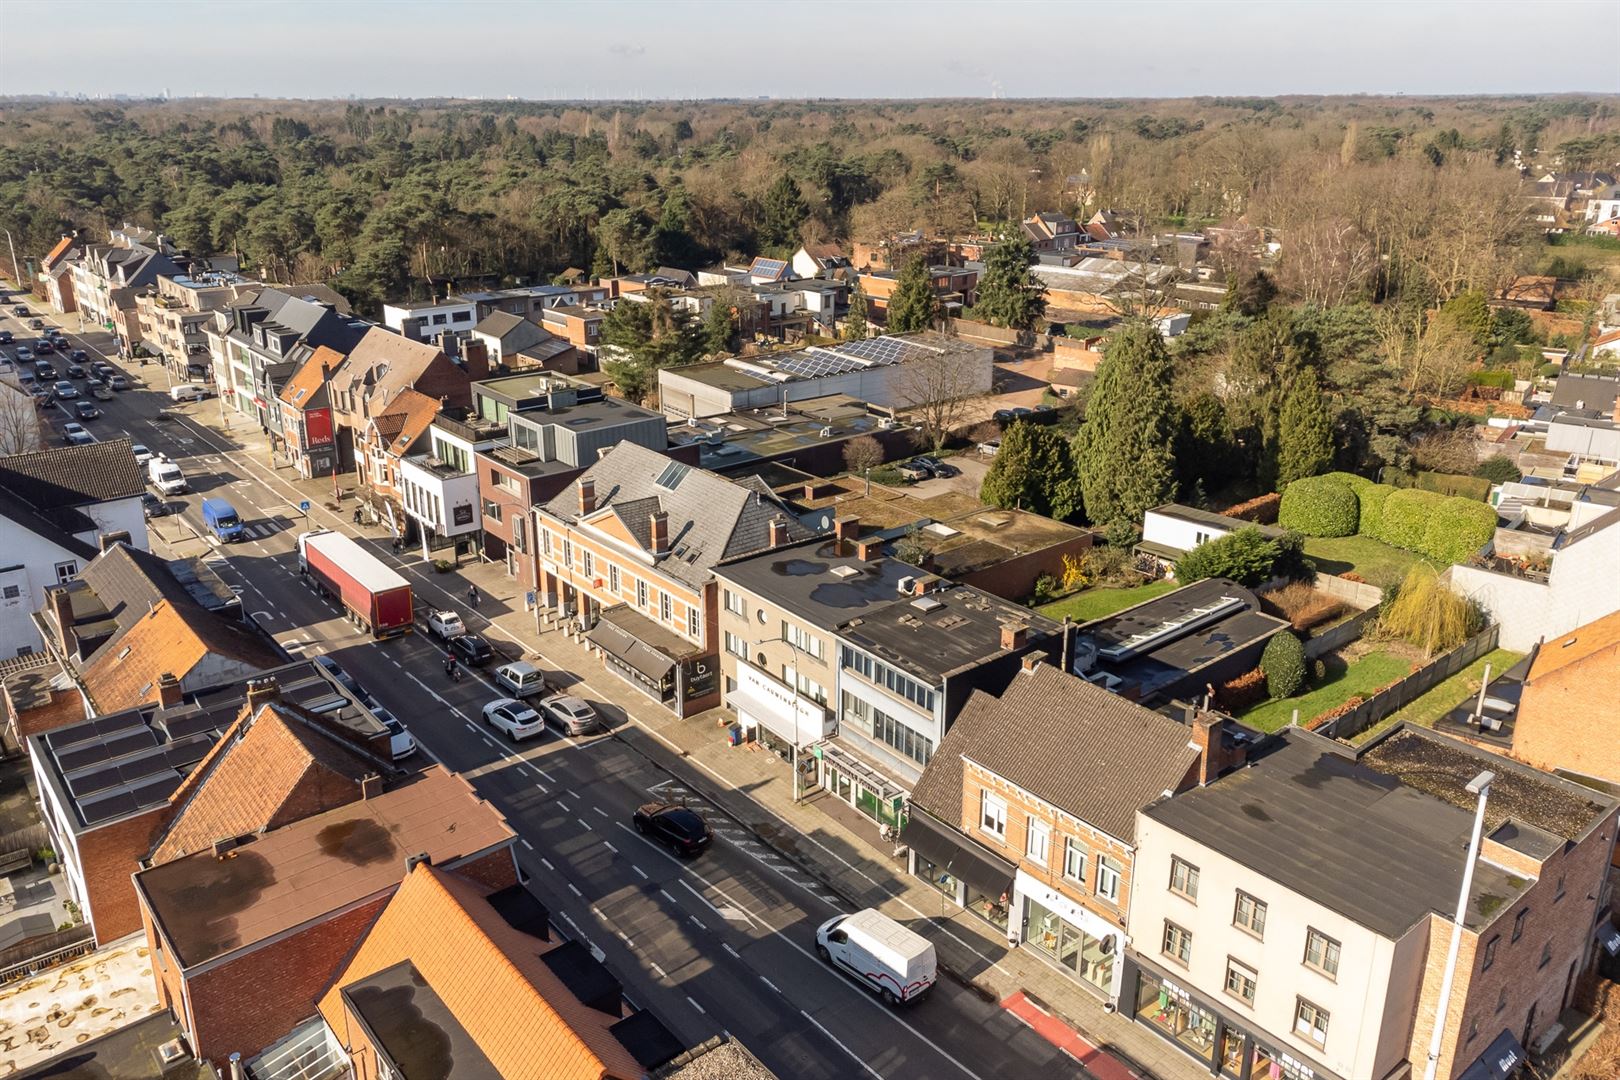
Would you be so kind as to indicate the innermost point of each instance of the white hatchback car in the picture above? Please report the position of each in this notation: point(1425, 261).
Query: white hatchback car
point(515, 718)
point(445, 625)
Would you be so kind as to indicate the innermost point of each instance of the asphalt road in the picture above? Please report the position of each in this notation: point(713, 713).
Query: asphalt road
point(724, 942)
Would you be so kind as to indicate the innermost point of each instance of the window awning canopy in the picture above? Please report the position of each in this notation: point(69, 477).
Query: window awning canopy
point(1502, 1059)
point(957, 855)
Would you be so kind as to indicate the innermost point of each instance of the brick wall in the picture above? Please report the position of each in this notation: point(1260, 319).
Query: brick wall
point(1014, 578)
point(65, 707)
point(496, 870)
point(1558, 712)
point(1483, 1003)
point(1021, 809)
point(108, 857)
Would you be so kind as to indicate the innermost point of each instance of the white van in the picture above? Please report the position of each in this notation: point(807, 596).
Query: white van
point(882, 955)
point(166, 476)
point(187, 392)
point(521, 679)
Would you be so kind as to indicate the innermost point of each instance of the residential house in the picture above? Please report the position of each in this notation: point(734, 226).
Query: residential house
point(580, 326)
point(395, 430)
point(1582, 390)
point(629, 549)
point(438, 480)
point(428, 321)
point(141, 785)
point(546, 429)
point(514, 342)
point(1026, 815)
point(56, 505)
point(504, 995)
point(828, 643)
point(1172, 530)
point(248, 933)
point(955, 288)
point(304, 412)
point(1568, 719)
point(153, 1045)
point(1051, 233)
point(1604, 205)
point(1095, 283)
point(257, 342)
point(820, 261)
point(530, 301)
point(894, 373)
point(1293, 917)
point(1178, 645)
point(175, 312)
point(763, 270)
point(56, 273)
point(108, 277)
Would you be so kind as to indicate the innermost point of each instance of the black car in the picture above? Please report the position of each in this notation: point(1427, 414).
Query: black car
point(44, 347)
point(935, 466)
point(5, 337)
point(152, 506)
point(86, 410)
point(78, 356)
point(681, 827)
point(76, 371)
point(471, 650)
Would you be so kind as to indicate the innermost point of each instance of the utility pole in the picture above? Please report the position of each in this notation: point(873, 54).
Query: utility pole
point(16, 271)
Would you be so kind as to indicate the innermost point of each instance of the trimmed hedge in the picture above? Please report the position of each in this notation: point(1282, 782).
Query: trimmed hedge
point(1283, 661)
point(1405, 520)
point(1469, 487)
point(1372, 508)
point(1458, 528)
point(1319, 506)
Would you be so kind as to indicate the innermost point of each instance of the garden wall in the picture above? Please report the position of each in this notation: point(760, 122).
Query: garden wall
point(1340, 634)
point(1000, 335)
point(1357, 594)
point(1409, 689)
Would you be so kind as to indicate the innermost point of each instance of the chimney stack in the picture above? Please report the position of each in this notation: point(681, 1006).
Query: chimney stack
point(1014, 636)
point(1214, 756)
point(868, 549)
point(923, 584)
point(1031, 660)
point(168, 688)
point(475, 355)
point(61, 601)
point(847, 528)
point(261, 692)
point(107, 540)
point(371, 785)
point(658, 523)
point(587, 495)
point(779, 532)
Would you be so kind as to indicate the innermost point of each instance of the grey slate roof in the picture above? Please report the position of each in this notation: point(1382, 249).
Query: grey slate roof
point(1071, 744)
point(711, 519)
point(16, 510)
point(128, 580)
point(73, 475)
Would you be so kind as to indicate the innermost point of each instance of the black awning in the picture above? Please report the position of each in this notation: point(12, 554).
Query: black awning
point(957, 855)
point(616, 641)
point(1609, 938)
point(1501, 1059)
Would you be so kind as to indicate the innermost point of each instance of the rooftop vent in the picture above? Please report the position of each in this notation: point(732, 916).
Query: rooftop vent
point(927, 604)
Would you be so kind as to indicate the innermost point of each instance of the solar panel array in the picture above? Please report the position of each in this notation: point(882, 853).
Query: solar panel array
point(880, 350)
point(814, 363)
point(770, 268)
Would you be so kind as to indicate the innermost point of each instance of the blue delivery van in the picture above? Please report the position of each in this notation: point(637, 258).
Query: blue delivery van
point(220, 517)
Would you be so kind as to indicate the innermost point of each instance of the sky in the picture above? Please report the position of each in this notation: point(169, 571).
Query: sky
point(630, 49)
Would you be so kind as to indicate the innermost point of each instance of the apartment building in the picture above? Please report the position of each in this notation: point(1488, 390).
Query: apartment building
point(175, 312)
point(1569, 709)
point(107, 278)
point(428, 320)
point(1293, 918)
point(304, 412)
point(629, 549)
point(1026, 815)
point(256, 343)
point(828, 643)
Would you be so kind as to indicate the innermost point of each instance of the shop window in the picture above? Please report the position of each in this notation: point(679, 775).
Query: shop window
point(1250, 915)
point(1310, 1022)
point(936, 876)
point(1166, 1007)
point(1089, 957)
point(1322, 953)
point(1184, 879)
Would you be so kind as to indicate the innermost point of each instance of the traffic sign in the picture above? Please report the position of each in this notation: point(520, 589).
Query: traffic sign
point(303, 504)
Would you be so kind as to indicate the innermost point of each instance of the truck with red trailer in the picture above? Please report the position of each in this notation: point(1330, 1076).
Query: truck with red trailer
point(374, 597)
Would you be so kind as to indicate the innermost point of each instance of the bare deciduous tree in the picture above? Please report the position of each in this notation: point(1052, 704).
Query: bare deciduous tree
point(20, 429)
point(936, 389)
point(862, 453)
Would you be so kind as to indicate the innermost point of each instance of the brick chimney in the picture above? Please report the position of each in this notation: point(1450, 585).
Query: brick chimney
point(168, 688)
point(371, 785)
point(475, 356)
point(61, 601)
point(868, 549)
point(1214, 755)
point(587, 495)
point(658, 527)
point(261, 692)
point(1014, 636)
point(924, 584)
point(110, 539)
point(779, 532)
point(847, 528)
point(1031, 660)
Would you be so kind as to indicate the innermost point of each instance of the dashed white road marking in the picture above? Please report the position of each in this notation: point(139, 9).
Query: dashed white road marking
point(735, 955)
point(545, 862)
point(696, 1006)
point(524, 841)
point(584, 824)
point(770, 984)
point(574, 889)
point(639, 871)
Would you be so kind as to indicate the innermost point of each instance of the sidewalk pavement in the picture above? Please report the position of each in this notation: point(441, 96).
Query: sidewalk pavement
point(823, 836)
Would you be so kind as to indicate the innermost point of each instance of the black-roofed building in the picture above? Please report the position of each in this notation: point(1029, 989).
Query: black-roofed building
point(857, 664)
point(1293, 917)
point(154, 1046)
point(56, 507)
point(257, 342)
point(1176, 645)
point(1026, 815)
point(628, 550)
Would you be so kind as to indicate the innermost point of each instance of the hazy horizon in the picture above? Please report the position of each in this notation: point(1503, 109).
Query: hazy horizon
point(836, 49)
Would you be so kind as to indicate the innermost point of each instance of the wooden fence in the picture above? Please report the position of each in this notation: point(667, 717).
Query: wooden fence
point(1409, 689)
point(1339, 635)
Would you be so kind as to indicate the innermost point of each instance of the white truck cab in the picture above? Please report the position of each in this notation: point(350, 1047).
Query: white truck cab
point(166, 476)
point(896, 963)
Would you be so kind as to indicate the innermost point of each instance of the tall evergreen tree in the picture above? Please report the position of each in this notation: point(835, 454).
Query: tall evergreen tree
point(913, 305)
point(1305, 431)
point(1009, 295)
point(785, 210)
point(1125, 452)
point(855, 326)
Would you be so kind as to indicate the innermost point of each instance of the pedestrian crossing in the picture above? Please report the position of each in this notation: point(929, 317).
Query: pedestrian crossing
point(260, 530)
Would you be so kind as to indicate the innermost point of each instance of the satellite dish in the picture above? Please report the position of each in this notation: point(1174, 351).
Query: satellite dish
point(1085, 655)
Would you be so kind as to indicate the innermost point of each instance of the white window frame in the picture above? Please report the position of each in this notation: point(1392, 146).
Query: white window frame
point(993, 816)
point(641, 592)
point(66, 570)
point(694, 623)
point(613, 578)
point(666, 606)
point(1320, 1020)
point(1246, 974)
point(734, 603)
point(1183, 878)
point(1038, 842)
point(1075, 856)
point(1108, 880)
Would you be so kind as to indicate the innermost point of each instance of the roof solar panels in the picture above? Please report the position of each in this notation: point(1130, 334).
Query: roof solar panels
point(768, 268)
point(880, 350)
point(186, 752)
point(108, 806)
point(94, 730)
point(189, 723)
point(84, 755)
point(91, 781)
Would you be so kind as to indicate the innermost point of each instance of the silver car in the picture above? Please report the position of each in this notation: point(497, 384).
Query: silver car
point(571, 714)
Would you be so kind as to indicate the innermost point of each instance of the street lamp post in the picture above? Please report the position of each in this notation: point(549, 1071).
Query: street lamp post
point(1480, 786)
point(15, 269)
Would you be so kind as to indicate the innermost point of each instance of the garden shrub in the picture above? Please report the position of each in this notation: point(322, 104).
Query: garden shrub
point(1246, 556)
point(1405, 520)
point(1502, 380)
point(1373, 499)
point(1284, 664)
point(1319, 506)
point(1236, 695)
point(1469, 487)
point(1498, 469)
point(1261, 509)
point(1427, 614)
point(1458, 528)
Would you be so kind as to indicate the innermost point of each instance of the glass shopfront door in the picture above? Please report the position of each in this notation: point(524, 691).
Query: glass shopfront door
point(1089, 957)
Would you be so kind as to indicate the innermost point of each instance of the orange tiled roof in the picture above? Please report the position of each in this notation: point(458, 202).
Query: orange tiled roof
point(1576, 646)
point(405, 419)
point(124, 673)
point(299, 389)
point(58, 251)
point(266, 772)
point(491, 978)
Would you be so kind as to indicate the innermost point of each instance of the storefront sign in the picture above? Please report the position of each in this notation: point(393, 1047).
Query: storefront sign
point(760, 699)
point(461, 515)
point(1067, 909)
point(317, 427)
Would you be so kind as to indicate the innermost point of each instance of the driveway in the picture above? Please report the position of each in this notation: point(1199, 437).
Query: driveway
point(973, 465)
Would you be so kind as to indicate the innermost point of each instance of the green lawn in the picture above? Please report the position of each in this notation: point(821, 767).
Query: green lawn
point(1096, 603)
point(1445, 696)
point(1374, 560)
point(1343, 682)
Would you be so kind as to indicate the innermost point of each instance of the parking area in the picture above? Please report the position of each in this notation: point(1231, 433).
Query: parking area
point(972, 466)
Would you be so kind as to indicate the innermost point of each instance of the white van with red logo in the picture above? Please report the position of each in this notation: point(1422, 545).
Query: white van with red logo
point(896, 963)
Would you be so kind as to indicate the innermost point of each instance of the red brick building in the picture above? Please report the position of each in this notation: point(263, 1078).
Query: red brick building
point(1569, 713)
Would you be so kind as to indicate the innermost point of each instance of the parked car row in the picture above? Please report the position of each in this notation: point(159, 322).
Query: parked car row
point(926, 467)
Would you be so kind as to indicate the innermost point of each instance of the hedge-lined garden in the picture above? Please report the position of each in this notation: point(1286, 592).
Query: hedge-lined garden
point(1445, 528)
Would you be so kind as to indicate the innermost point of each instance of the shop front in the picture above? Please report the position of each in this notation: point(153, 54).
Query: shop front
point(772, 712)
point(660, 664)
point(1079, 941)
point(860, 783)
point(959, 868)
point(1222, 1044)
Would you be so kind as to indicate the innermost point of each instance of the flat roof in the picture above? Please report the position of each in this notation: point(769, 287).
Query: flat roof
point(1205, 517)
point(410, 1024)
point(129, 1053)
point(125, 763)
point(208, 905)
point(77, 993)
point(718, 374)
point(931, 636)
